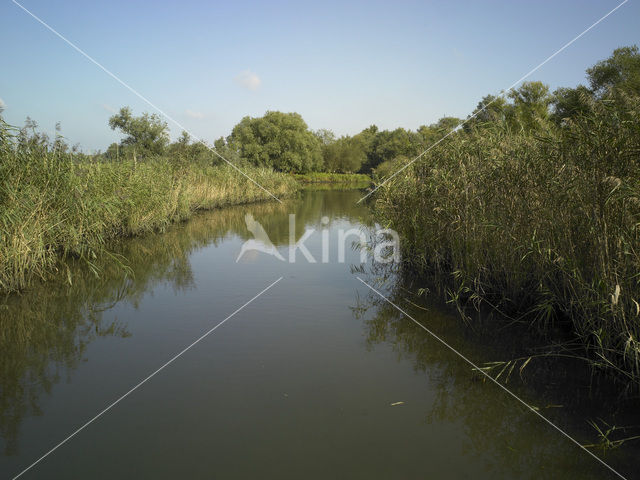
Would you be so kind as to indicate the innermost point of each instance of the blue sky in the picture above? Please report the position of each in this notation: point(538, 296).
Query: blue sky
point(342, 65)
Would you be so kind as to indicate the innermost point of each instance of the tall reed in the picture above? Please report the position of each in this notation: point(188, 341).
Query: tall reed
point(544, 227)
point(54, 203)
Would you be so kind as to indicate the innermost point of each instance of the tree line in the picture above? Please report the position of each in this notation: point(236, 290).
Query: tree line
point(284, 142)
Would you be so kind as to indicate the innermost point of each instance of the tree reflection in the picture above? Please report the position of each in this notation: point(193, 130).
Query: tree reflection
point(45, 330)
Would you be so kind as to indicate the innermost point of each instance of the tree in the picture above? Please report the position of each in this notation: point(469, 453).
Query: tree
point(489, 111)
point(345, 155)
point(387, 145)
point(531, 105)
point(145, 135)
point(569, 102)
point(184, 138)
point(390, 167)
point(446, 124)
point(620, 70)
point(278, 140)
point(325, 136)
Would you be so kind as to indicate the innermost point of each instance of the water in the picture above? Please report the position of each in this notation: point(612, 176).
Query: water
point(299, 384)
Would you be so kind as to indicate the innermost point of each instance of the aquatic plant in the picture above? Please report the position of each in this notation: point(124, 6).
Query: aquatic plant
point(54, 202)
point(542, 226)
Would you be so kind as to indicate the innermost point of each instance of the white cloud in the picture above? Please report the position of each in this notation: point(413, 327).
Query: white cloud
point(248, 80)
point(108, 108)
point(194, 114)
point(2, 104)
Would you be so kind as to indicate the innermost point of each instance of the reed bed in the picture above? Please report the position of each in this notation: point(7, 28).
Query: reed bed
point(542, 227)
point(55, 204)
point(357, 179)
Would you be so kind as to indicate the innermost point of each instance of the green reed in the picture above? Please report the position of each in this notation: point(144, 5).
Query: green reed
point(54, 203)
point(542, 227)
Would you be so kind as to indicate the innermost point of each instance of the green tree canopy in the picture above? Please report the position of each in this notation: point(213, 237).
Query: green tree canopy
point(145, 135)
point(531, 105)
point(569, 102)
point(621, 70)
point(490, 110)
point(278, 140)
point(325, 136)
point(389, 144)
point(345, 155)
point(429, 134)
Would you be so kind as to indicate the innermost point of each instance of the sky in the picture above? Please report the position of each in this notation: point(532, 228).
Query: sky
point(342, 65)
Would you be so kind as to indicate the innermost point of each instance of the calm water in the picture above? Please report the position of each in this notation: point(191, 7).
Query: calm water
point(299, 384)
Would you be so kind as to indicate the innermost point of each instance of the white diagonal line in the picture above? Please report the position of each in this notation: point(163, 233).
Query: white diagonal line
point(138, 94)
point(475, 367)
point(501, 94)
point(175, 357)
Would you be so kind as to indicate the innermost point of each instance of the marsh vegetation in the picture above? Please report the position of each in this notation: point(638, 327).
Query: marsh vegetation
point(532, 211)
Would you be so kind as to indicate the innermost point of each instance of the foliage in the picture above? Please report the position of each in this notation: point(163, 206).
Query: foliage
point(145, 135)
point(530, 109)
point(56, 203)
point(621, 70)
point(542, 226)
point(345, 155)
point(336, 178)
point(277, 140)
point(389, 167)
point(387, 145)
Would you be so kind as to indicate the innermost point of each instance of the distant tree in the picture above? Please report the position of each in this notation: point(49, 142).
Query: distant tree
point(569, 102)
point(184, 138)
point(446, 124)
point(369, 133)
point(278, 140)
point(490, 110)
point(531, 105)
point(620, 70)
point(345, 155)
point(366, 138)
point(325, 136)
point(387, 145)
point(179, 151)
point(389, 167)
point(220, 143)
point(426, 134)
point(145, 135)
point(112, 152)
point(225, 150)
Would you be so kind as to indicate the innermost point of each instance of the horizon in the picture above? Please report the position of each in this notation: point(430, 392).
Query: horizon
point(343, 67)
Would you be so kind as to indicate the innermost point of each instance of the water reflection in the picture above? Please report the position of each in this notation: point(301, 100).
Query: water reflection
point(493, 422)
point(44, 331)
point(305, 345)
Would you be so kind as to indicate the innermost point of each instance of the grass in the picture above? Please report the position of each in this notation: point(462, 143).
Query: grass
point(339, 178)
point(543, 228)
point(55, 204)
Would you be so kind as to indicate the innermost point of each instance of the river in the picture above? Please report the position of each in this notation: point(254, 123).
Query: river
point(317, 377)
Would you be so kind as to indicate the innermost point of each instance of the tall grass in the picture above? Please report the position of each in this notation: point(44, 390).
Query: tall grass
point(54, 204)
point(544, 227)
point(356, 179)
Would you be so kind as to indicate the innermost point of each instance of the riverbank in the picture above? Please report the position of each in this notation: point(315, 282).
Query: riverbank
point(56, 205)
point(541, 228)
point(347, 179)
point(61, 342)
